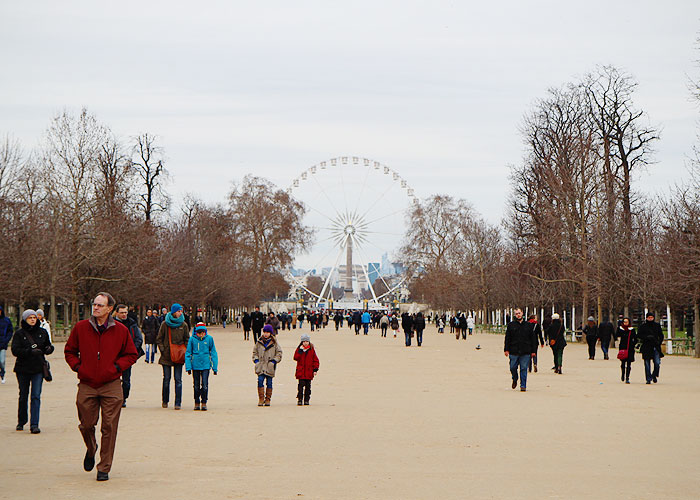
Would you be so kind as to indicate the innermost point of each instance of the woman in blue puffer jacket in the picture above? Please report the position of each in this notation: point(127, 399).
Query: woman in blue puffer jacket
point(201, 357)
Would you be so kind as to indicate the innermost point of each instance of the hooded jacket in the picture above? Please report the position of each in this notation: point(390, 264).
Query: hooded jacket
point(201, 354)
point(555, 332)
point(179, 335)
point(135, 333)
point(99, 358)
point(6, 330)
point(307, 362)
point(266, 354)
point(30, 360)
point(650, 336)
point(520, 338)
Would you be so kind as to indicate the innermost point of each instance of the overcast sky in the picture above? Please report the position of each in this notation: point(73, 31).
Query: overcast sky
point(435, 90)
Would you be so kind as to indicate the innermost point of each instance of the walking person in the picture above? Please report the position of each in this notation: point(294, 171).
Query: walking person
point(257, 323)
point(651, 337)
point(407, 325)
point(122, 316)
point(43, 322)
point(557, 341)
point(538, 336)
point(274, 322)
point(357, 321)
point(6, 330)
point(470, 324)
point(591, 331)
point(366, 319)
point(605, 333)
point(30, 343)
point(223, 321)
point(307, 366)
point(98, 350)
point(266, 355)
point(384, 324)
point(150, 326)
point(246, 321)
point(201, 357)
point(625, 353)
point(519, 347)
point(419, 326)
point(173, 332)
point(394, 323)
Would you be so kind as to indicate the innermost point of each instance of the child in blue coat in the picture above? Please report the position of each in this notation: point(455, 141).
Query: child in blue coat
point(200, 357)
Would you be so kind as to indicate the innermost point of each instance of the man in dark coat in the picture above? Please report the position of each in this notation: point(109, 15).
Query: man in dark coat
point(407, 325)
point(257, 321)
point(651, 336)
point(605, 334)
point(591, 331)
point(150, 326)
point(520, 345)
point(6, 330)
point(357, 321)
point(246, 320)
point(122, 316)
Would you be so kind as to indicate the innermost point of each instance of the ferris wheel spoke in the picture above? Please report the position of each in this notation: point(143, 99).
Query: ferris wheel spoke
point(365, 224)
point(323, 191)
point(362, 190)
point(364, 269)
point(320, 213)
point(342, 183)
point(381, 197)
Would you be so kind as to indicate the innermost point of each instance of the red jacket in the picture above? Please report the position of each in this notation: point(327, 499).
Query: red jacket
point(99, 358)
point(307, 362)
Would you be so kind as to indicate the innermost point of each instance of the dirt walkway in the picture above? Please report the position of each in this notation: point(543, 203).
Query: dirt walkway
point(385, 422)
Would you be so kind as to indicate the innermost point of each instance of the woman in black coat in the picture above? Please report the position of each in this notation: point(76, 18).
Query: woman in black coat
point(557, 341)
point(628, 339)
point(29, 344)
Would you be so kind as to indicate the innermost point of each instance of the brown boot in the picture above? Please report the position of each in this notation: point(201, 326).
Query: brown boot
point(261, 396)
point(268, 395)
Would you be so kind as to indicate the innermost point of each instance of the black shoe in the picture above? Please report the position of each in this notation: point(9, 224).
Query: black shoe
point(19, 427)
point(627, 381)
point(648, 382)
point(88, 462)
point(124, 404)
point(515, 384)
point(299, 403)
point(35, 430)
point(306, 403)
point(655, 380)
point(102, 476)
point(522, 389)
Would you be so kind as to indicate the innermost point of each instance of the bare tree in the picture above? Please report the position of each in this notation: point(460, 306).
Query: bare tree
point(147, 159)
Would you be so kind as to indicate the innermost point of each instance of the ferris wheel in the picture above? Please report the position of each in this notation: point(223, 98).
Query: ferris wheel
point(357, 208)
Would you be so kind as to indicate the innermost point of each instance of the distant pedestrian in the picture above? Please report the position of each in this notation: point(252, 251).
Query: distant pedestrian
point(357, 321)
point(246, 322)
point(651, 337)
point(307, 366)
point(366, 319)
point(257, 323)
point(121, 314)
point(591, 331)
point(407, 325)
point(532, 319)
point(606, 330)
point(43, 322)
point(470, 324)
point(625, 353)
point(150, 326)
point(519, 347)
point(201, 357)
point(394, 323)
point(384, 324)
point(174, 332)
point(274, 322)
point(557, 341)
point(418, 327)
point(266, 355)
point(30, 343)
point(98, 350)
point(6, 330)
point(223, 321)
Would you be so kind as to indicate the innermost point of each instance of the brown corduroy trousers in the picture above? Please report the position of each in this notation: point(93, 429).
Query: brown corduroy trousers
point(89, 401)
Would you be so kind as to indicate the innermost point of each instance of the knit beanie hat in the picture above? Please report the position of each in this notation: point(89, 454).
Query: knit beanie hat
point(27, 313)
point(305, 338)
point(175, 308)
point(199, 327)
point(591, 318)
point(40, 312)
point(268, 328)
point(555, 316)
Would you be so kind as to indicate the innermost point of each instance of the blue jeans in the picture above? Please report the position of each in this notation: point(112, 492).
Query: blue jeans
point(178, 383)
point(25, 380)
point(522, 362)
point(201, 385)
point(224, 323)
point(408, 338)
point(657, 366)
point(264, 378)
point(365, 326)
point(3, 357)
point(419, 336)
point(126, 382)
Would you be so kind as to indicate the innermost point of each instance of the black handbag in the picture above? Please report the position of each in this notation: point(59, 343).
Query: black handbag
point(46, 366)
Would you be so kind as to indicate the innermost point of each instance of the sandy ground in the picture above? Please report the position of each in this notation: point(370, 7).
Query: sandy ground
point(385, 422)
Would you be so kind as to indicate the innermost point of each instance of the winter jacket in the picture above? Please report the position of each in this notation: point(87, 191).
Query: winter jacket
point(30, 360)
point(6, 330)
point(419, 323)
point(384, 320)
point(623, 336)
point(150, 326)
point(406, 322)
point(520, 338)
point(307, 362)
point(180, 336)
point(650, 336)
point(99, 358)
point(257, 320)
point(247, 320)
point(394, 323)
point(366, 318)
point(201, 354)
point(135, 332)
point(538, 331)
point(356, 318)
point(555, 332)
point(591, 334)
point(470, 323)
point(266, 355)
point(605, 331)
point(274, 323)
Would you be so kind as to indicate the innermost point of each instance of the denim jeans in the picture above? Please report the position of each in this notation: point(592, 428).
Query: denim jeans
point(201, 385)
point(419, 336)
point(126, 382)
point(3, 357)
point(167, 370)
point(604, 345)
point(265, 378)
point(408, 337)
point(25, 380)
point(657, 366)
point(519, 361)
point(365, 326)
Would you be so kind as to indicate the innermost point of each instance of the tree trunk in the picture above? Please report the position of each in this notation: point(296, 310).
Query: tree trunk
point(696, 325)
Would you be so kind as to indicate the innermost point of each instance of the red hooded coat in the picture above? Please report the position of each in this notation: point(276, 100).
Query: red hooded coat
point(307, 362)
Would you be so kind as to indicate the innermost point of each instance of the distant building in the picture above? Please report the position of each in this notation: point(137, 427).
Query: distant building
point(358, 276)
point(373, 271)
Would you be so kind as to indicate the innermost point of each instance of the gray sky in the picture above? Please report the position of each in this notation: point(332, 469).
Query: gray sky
point(435, 90)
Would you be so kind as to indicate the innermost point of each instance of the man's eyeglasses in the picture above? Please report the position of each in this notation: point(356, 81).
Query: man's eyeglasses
point(94, 304)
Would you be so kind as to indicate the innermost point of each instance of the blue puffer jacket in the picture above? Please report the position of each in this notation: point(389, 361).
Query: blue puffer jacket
point(366, 318)
point(6, 330)
point(201, 354)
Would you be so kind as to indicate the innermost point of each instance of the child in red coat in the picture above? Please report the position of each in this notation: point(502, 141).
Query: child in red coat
point(307, 366)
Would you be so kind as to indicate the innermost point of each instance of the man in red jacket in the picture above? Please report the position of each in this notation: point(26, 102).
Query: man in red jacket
point(99, 349)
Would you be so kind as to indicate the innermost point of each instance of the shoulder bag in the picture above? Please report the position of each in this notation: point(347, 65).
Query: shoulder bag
point(623, 354)
point(177, 351)
point(45, 366)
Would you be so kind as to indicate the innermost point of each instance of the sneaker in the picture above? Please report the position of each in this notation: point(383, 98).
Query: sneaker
point(299, 403)
point(306, 403)
point(177, 407)
point(3, 380)
point(204, 407)
point(124, 404)
point(196, 407)
point(655, 380)
point(522, 389)
point(19, 427)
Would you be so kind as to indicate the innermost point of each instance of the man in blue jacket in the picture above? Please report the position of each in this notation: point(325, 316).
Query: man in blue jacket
point(366, 319)
point(6, 331)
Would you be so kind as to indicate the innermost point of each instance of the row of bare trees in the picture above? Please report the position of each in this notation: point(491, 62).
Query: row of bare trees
point(86, 211)
point(577, 232)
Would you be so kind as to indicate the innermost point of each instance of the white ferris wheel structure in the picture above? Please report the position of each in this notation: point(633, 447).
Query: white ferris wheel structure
point(355, 206)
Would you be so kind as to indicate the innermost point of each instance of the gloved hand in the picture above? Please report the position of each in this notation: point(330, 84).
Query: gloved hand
point(37, 352)
point(315, 370)
point(256, 361)
point(215, 372)
point(189, 372)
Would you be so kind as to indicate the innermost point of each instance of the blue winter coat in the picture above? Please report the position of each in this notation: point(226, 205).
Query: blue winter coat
point(201, 354)
point(6, 330)
point(366, 318)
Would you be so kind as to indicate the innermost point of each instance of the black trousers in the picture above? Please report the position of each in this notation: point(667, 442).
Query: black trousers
point(304, 389)
point(256, 334)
